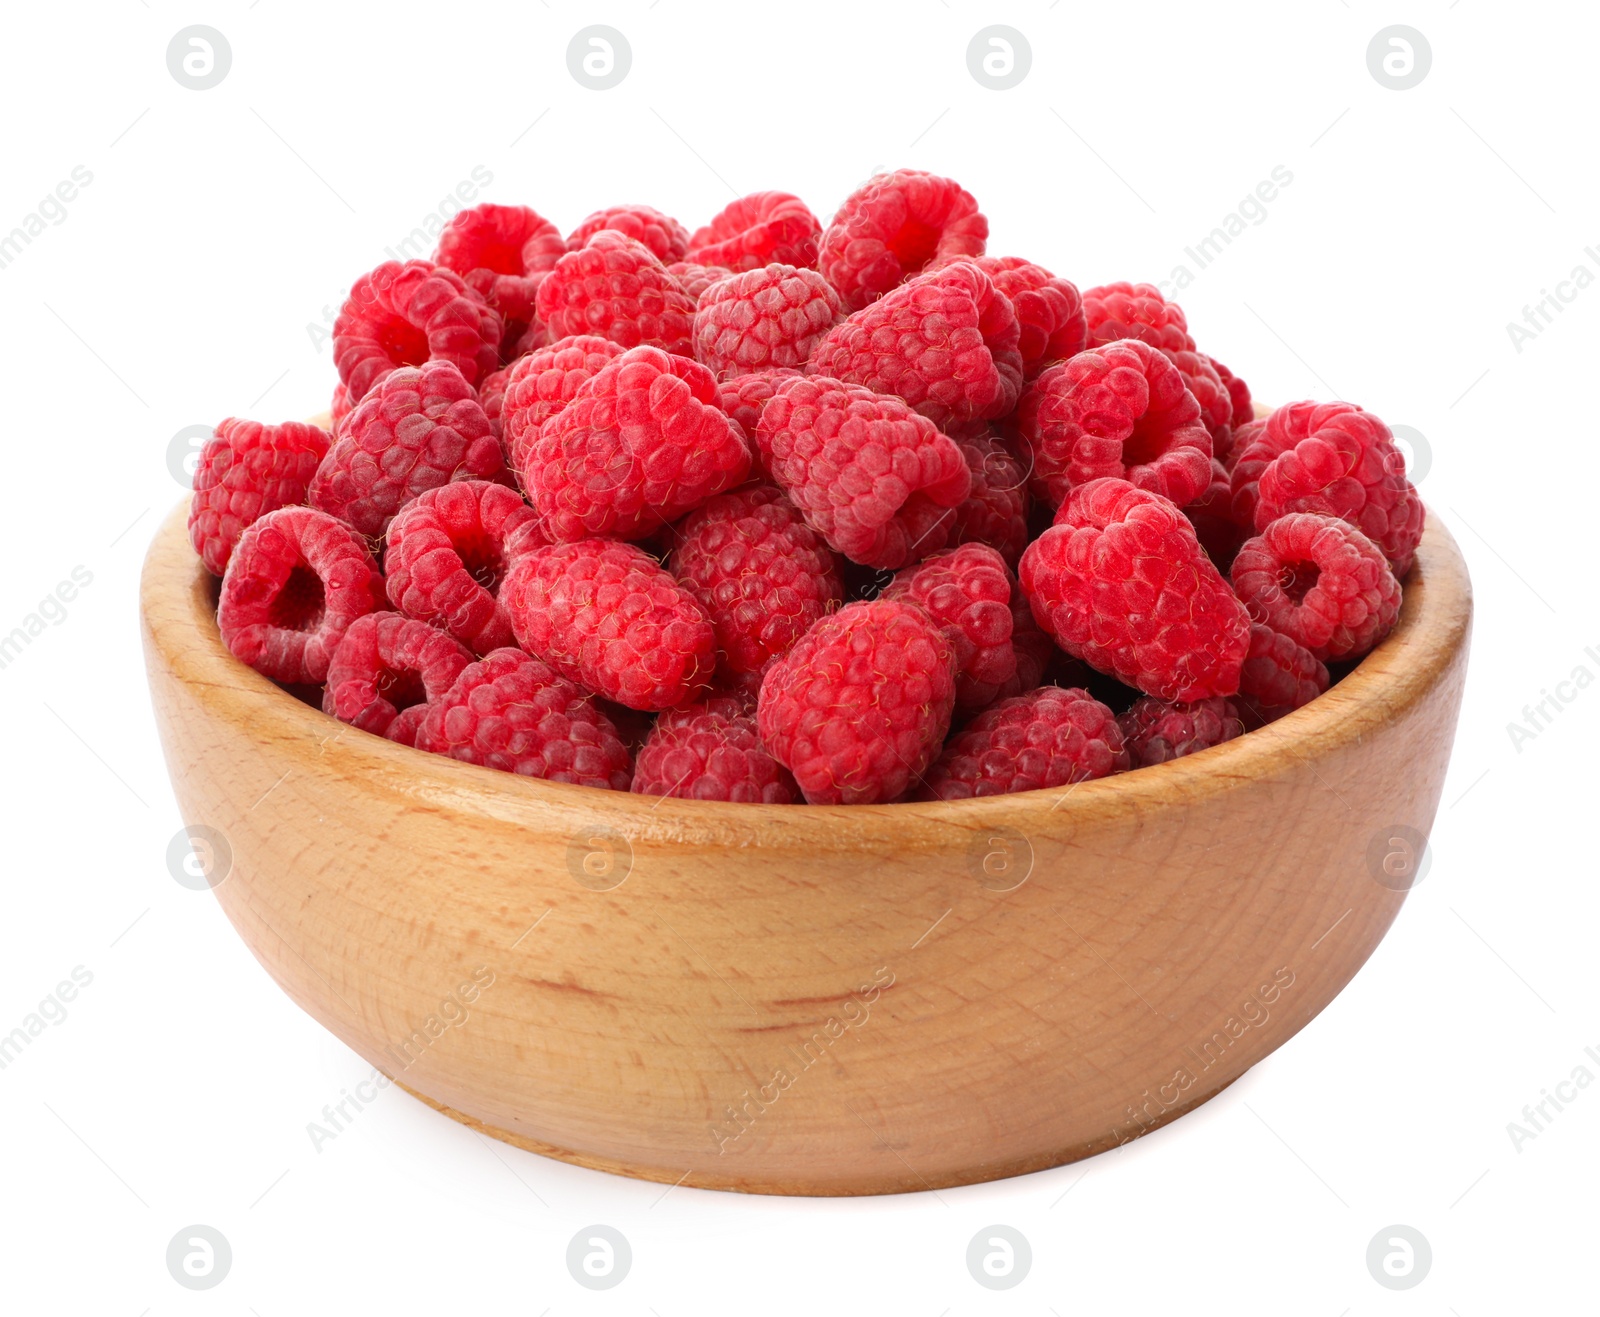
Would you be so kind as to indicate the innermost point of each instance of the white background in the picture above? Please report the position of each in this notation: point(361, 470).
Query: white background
point(219, 225)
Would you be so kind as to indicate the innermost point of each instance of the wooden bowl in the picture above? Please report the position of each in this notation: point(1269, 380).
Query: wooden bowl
point(807, 999)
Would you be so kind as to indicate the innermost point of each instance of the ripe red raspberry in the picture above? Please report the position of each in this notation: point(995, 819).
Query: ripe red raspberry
point(512, 712)
point(608, 616)
point(745, 396)
point(757, 230)
point(945, 341)
point(873, 477)
point(967, 591)
point(1049, 310)
point(1047, 738)
point(422, 426)
point(502, 253)
point(615, 288)
point(246, 470)
point(447, 553)
point(1278, 676)
point(385, 671)
point(540, 384)
point(892, 227)
point(1319, 581)
point(296, 581)
point(858, 708)
point(1336, 459)
point(1244, 410)
point(773, 316)
point(995, 512)
point(408, 315)
point(762, 575)
point(1121, 410)
point(711, 751)
point(1200, 377)
point(1157, 730)
point(664, 236)
point(1122, 583)
point(695, 279)
point(1211, 515)
point(641, 443)
point(340, 406)
point(1127, 310)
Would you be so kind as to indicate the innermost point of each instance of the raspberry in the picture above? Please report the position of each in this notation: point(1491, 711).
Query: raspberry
point(857, 709)
point(615, 288)
point(762, 575)
point(1046, 738)
point(1156, 730)
point(246, 470)
point(385, 671)
point(1121, 410)
point(340, 406)
point(1049, 310)
point(502, 254)
point(540, 384)
point(1200, 377)
point(1336, 459)
point(1211, 515)
point(868, 473)
point(606, 615)
point(711, 751)
point(772, 316)
point(512, 712)
point(408, 314)
point(418, 428)
point(995, 512)
point(641, 443)
point(967, 591)
point(695, 279)
point(296, 581)
point(447, 553)
point(1244, 410)
point(1139, 311)
point(945, 341)
point(757, 230)
point(1122, 583)
point(892, 227)
point(666, 239)
point(1320, 582)
point(1278, 675)
point(745, 396)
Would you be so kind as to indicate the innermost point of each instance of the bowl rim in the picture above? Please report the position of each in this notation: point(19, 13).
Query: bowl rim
point(179, 620)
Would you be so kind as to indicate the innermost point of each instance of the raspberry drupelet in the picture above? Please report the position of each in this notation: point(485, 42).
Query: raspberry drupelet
point(764, 318)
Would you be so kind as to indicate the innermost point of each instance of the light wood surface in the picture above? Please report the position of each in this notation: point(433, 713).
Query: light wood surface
point(1176, 925)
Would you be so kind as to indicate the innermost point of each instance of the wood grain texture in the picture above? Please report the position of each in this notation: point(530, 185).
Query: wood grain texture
point(809, 1000)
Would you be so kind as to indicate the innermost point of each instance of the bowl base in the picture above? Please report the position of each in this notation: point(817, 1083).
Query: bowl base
point(908, 1181)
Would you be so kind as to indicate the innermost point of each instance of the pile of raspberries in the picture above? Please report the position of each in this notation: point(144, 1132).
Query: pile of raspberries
point(771, 511)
